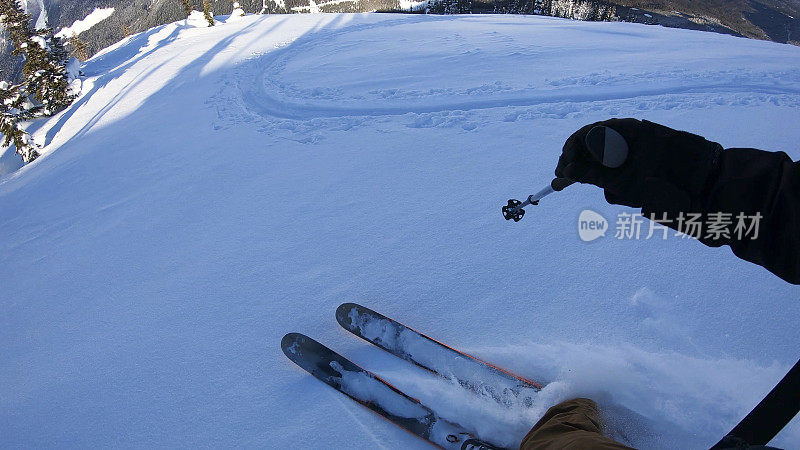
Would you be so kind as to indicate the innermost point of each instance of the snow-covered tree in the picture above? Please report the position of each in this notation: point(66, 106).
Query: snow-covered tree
point(237, 9)
point(46, 77)
point(449, 6)
point(273, 7)
point(46, 87)
point(16, 23)
point(607, 13)
point(14, 107)
point(580, 10)
point(45, 71)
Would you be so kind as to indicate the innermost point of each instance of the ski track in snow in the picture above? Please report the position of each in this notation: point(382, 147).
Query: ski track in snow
point(215, 188)
point(263, 89)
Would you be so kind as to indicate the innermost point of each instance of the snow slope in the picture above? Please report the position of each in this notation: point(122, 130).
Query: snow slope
point(215, 188)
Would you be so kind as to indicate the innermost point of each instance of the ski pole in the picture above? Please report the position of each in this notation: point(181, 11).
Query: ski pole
point(606, 146)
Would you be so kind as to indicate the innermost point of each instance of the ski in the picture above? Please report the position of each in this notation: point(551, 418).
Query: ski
point(430, 354)
point(376, 394)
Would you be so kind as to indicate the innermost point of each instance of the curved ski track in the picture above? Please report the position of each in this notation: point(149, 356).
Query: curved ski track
point(261, 96)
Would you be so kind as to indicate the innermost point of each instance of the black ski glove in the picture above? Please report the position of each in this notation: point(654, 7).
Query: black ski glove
point(666, 170)
point(669, 173)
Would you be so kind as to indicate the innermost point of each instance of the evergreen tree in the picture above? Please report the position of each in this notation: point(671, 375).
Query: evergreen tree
point(13, 99)
point(14, 106)
point(608, 13)
point(16, 23)
point(46, 71)
point(435, 7)
point(273, 7)
point(187, 6)
point(207, 13)
point(547, 7)
point(463, 6)
point(79, 49)
point(46, 78)
point(46, 58)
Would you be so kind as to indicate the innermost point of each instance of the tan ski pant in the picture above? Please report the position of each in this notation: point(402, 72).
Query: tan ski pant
point(574, 424)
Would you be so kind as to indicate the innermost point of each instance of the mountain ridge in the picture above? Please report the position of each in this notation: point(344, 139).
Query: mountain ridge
point(775, 20)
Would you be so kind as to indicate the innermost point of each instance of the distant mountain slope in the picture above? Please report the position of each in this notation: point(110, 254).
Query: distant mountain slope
point(59, 14)
point(135, 15)
point(215, 188)
point(775, 20)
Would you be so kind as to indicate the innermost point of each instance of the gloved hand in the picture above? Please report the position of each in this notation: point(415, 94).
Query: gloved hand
point(666, 170)
point(669, 172)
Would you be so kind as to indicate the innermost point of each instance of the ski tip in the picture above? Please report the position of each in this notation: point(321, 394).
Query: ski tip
point(343, 314)
point(289, 343)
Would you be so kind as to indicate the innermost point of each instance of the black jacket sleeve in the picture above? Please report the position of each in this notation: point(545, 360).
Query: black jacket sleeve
point(674, 176)
point(753, 183)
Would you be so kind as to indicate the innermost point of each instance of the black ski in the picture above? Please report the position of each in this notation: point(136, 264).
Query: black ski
point(430, 354)
point(374, 393)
